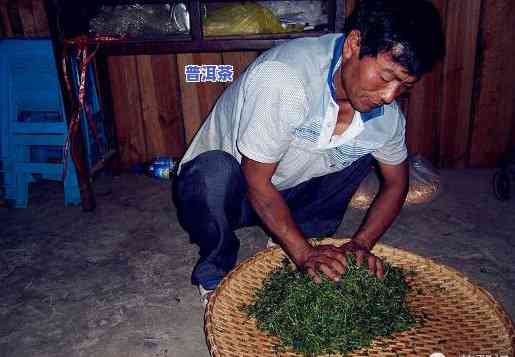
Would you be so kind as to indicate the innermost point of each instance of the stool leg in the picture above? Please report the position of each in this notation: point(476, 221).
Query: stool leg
point(71, 185)
point(22, 190)
point(21, 155)
point(9, 179)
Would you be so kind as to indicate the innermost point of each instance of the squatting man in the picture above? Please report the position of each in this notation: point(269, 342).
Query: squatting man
point(288, 143)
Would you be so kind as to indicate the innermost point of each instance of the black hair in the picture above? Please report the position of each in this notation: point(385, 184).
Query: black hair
point(410, 29)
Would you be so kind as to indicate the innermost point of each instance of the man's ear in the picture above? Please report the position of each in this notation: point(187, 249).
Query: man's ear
point(352, 44)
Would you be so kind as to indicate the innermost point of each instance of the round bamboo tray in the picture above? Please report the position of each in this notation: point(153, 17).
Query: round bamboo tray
point(462, 319)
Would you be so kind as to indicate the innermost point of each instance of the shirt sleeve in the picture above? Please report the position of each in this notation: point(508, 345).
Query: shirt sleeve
point(394, 151)
point(275, 103)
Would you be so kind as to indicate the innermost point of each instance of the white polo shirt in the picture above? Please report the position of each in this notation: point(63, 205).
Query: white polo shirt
point(282, 109)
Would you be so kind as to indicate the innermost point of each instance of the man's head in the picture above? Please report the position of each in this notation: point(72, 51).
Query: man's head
point(389, 45)
point(411, 29)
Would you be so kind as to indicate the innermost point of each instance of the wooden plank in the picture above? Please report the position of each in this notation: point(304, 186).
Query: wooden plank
point(423, 116)
point(198, 99)
point(189, 99)
point(168, 101)
point(14, 18)
point(208, 91)
point(462, 26)
point(119, 104)
point(239, 60)
point(41, 27)
point(494, 117)
point(423, 108)
point(27, 17)
point(154, 138)
point(124, 81)
point(6, 27)
point(137, 142)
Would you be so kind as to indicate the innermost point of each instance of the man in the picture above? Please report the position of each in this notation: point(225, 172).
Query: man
point(288, 143)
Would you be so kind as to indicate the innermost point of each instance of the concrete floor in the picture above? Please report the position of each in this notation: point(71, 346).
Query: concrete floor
point(116, 282)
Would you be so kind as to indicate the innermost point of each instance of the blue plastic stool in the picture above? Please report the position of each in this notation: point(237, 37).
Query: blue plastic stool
point(33, 120)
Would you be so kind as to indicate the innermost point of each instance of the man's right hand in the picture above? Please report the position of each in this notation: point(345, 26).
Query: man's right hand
point(332, 261)
point(326, 259)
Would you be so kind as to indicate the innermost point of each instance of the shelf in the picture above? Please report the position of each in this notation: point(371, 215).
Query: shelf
point(73, 20)
point(185, 43)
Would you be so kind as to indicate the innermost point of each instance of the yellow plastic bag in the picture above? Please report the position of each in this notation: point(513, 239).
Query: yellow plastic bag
point(241, 19)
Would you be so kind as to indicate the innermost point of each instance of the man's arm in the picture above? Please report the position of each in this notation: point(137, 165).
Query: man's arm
point(270, 206)
point(272, 209)
point(386, 205)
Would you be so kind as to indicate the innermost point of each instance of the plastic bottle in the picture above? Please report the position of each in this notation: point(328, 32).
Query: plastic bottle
point(162, 167)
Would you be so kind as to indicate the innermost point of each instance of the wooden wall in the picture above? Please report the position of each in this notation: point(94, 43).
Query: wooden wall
point(493, 121)
point(24, 18)
point(460, 115)
point(157, 112)
point(463, 113)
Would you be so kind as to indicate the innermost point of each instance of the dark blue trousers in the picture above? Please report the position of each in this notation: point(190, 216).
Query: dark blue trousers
point(210, 196)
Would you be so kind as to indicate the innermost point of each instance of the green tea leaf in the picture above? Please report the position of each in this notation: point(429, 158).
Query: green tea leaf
point(331, 317)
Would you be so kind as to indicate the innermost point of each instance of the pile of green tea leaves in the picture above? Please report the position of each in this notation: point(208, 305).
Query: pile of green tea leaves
point(331, 317)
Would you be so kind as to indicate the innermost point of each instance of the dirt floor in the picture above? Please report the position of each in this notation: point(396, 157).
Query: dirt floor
point(116, 282)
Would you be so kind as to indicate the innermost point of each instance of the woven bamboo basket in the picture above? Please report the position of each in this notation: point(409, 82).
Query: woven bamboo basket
point(462, 319)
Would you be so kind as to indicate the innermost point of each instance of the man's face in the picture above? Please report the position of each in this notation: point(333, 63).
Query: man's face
point(370, 82)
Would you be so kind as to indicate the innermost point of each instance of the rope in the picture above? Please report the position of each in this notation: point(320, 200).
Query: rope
point(78, 99)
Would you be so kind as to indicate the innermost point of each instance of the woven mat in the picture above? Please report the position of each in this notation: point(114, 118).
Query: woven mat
point(461, 318)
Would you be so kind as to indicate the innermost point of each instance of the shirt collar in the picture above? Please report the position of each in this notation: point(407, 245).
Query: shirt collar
point(374, 113)
point(337, 57)
point(335, 63)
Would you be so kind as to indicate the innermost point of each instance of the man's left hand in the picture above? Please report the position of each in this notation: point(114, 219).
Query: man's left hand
point(364, 256)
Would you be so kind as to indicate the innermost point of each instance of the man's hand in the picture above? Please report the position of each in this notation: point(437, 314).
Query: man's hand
point(364, 257)
point(332, 261)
